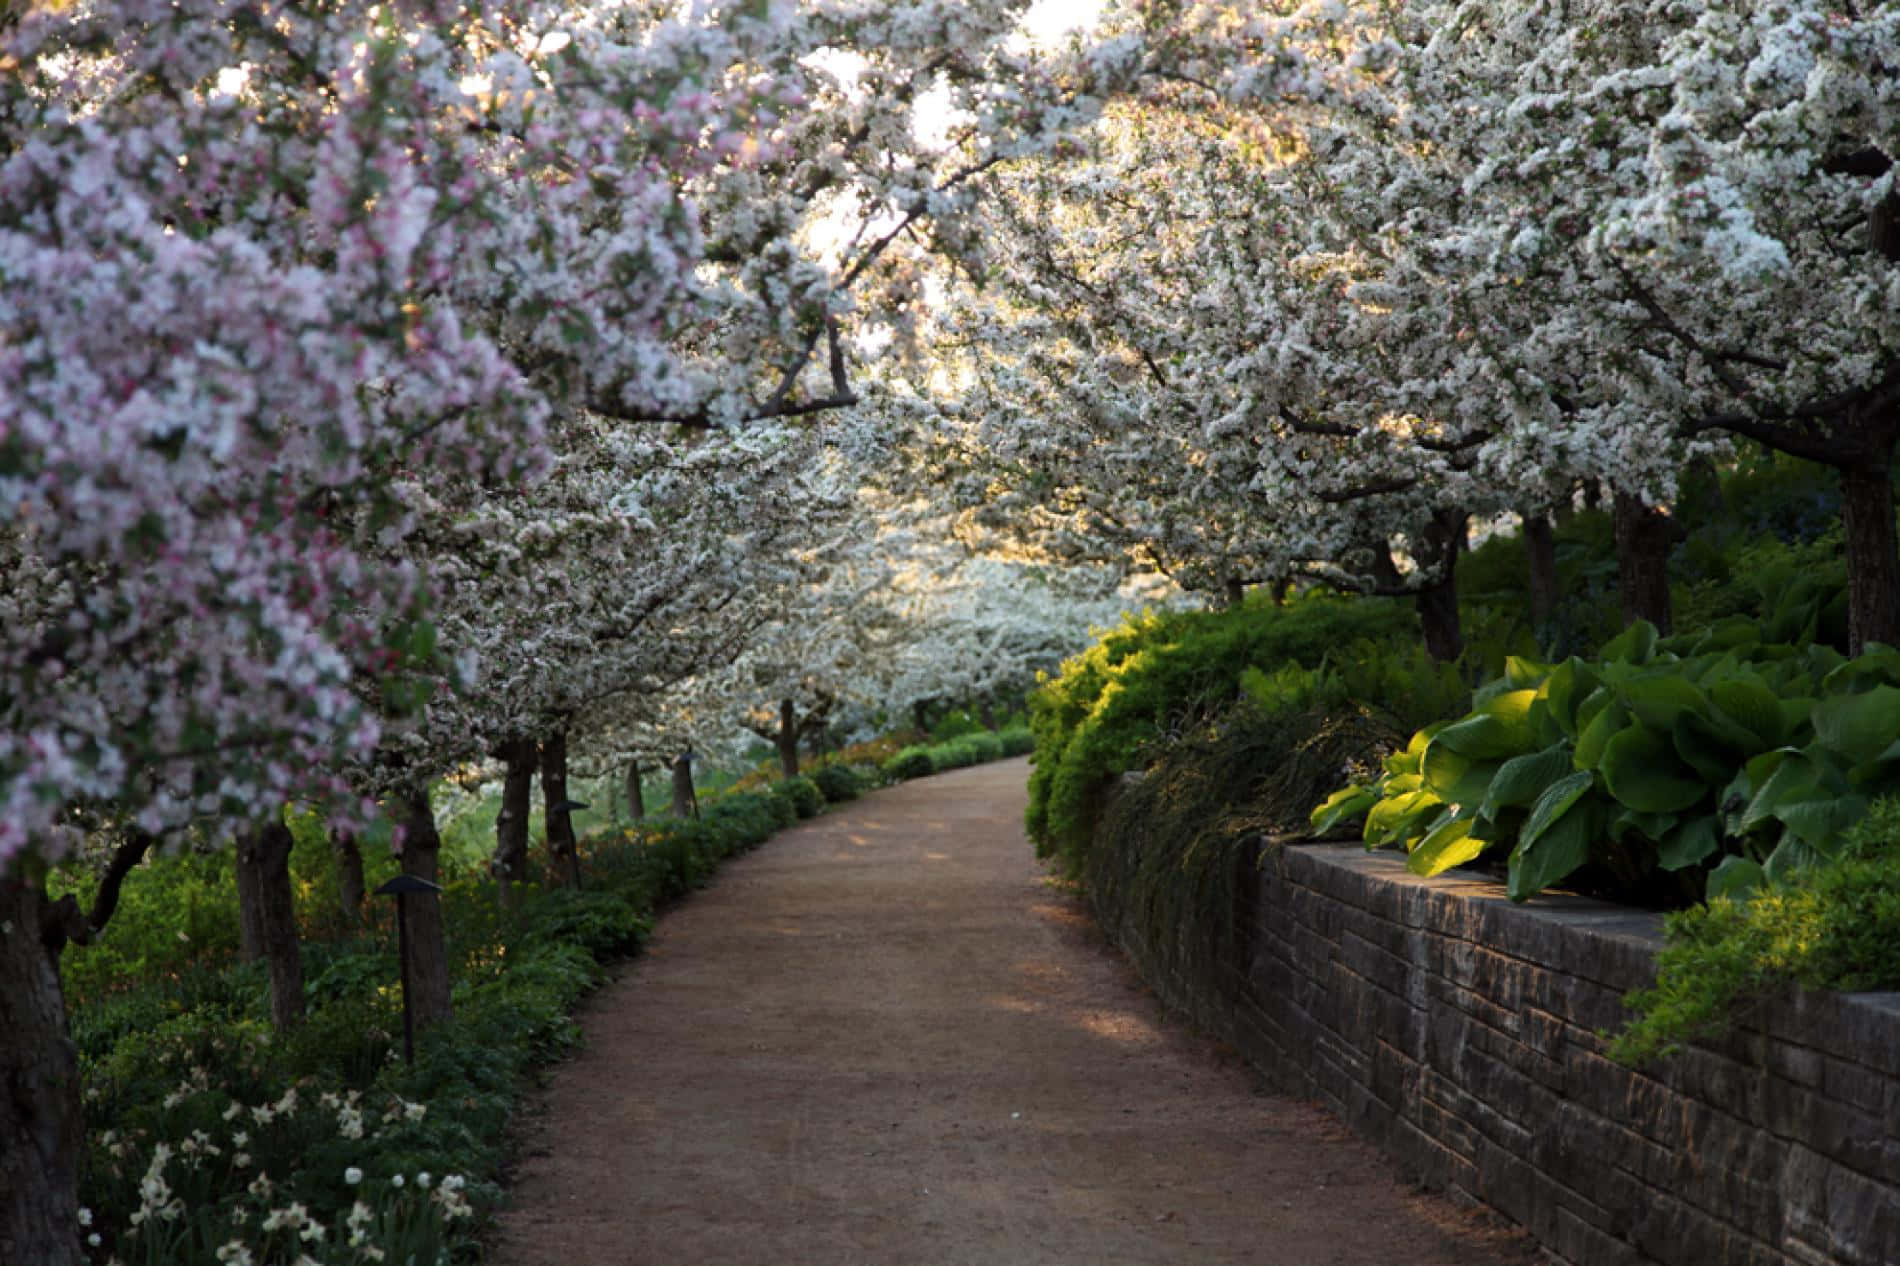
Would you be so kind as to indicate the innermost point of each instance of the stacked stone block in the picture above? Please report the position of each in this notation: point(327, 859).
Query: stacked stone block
point(1465, 1035)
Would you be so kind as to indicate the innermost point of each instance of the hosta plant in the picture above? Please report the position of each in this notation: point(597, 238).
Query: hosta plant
point(1712, 754)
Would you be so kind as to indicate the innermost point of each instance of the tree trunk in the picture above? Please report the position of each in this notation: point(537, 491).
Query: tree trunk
point(1438, 619)
point(1873, 559)
point(1235, 591)
point(636, 793)
point(685, 799)
point(428, 939)
point(1540, 549)
point(264, 851)
point(349, 875)
point(1437, 602)
point(564, 862)
point(920, 715)
point(986, 713)
point(1644, 535)
point(510, 865)
point(250, 898)
point(787, 738)
point(42, 1129)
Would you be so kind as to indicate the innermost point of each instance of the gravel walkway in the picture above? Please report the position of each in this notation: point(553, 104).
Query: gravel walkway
point(885, 1037)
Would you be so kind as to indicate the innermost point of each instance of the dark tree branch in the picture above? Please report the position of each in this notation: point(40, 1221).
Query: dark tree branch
point(1382, 488)
point(65, 924)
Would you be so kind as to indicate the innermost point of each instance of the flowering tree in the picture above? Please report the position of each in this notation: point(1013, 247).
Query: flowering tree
point(1191, 359)
point(253, 270)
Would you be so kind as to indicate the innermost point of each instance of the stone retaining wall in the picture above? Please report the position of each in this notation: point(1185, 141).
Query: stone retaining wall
point(1460, 1032)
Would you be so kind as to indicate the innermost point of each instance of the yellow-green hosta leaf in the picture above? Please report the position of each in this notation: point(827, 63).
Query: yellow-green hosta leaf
point(1456, 778)
point(1498, 729)
point(1448, 844)
point(1342, 806)
point(1397, 819)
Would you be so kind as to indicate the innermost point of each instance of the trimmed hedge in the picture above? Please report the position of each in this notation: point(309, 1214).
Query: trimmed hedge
point(912, 762)
point(837, 783)
point(808, 799)
point(920, 760)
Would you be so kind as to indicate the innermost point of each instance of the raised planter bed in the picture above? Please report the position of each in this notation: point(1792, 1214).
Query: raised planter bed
point(1462, 1033)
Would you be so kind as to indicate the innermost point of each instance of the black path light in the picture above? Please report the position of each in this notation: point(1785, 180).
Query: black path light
point(402, 887)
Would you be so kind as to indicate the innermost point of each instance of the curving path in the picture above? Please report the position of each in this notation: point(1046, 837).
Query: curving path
point(886, 1038)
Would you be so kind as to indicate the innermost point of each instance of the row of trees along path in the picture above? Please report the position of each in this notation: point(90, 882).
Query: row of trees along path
point(887, 1037)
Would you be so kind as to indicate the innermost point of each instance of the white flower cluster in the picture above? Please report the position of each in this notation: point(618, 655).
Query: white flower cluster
point(1331, 273)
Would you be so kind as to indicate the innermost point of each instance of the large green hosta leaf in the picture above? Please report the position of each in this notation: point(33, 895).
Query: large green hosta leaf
point(1603, 716)
point(1712, 745)
point(1557, 836)
point(1691, 843)
point(1568, 685)
point(1878, 664)
point(1456, 778)
point(1520, 780)
point(1658, 699)
point(1751, 704)
point(1499, 729)
point(1860, 727)
point(1736, 878)
point(1635, 644)
point(1641, 771)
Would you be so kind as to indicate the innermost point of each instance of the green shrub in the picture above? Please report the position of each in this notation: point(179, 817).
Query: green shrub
point(957, 724)
point(1796, 591)
point(1832, 926)
point(1165, 673)
point(912, 762)
point(604, 924)
point(746, 819)
point(1016, 740)
point(837, 783)
point(807, 798)
point(1175, 846)
point(971, 749)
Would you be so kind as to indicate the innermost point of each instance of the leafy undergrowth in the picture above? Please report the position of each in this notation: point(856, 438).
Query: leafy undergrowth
point(215, 1139)
point(1832, 926)
point(1165, 675)
point(1652, 768)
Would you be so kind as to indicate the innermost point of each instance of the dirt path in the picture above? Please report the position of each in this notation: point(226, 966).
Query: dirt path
point(884, 1038)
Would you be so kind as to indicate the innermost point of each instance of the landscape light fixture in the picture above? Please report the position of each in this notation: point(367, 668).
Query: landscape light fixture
point(402, 887)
